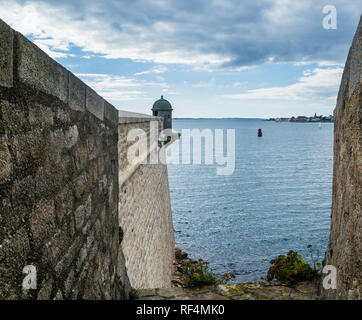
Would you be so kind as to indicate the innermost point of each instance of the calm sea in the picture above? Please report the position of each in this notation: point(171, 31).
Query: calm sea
point(277, 199)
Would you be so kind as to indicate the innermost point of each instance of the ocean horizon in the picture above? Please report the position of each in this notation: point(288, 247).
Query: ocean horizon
point(222, 118)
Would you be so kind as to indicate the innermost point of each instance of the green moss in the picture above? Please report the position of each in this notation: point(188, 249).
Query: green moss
point(133, 294)
point(233, 291)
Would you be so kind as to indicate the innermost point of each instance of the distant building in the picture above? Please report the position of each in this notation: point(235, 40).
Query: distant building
point(162, 108)
point(302, 119)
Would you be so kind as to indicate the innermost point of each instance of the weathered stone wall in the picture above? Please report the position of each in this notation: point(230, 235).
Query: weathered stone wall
point(344, 249)
point(58, 180)
point(145, 214)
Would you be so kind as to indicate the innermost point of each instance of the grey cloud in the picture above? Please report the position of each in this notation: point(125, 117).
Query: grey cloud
point(241, 33)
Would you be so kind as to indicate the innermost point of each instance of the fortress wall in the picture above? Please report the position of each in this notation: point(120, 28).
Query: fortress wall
point(344, 249)
point(58, 180)
point(145, 214)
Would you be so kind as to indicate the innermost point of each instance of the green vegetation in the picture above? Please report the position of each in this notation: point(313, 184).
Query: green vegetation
point(133, 294)
point(198, 274)
point(317, 266)
point(292, 268)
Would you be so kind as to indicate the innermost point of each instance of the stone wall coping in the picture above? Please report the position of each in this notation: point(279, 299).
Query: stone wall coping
point(133, 117)
point(6, 55)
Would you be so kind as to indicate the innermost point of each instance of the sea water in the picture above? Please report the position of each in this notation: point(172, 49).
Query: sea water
point(277, 199)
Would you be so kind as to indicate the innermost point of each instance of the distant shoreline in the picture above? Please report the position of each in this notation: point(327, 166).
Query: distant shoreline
point(303, 119)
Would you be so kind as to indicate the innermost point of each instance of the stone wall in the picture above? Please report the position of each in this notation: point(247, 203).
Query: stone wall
point(145, 212)
point(344, 249)
point(58, 180)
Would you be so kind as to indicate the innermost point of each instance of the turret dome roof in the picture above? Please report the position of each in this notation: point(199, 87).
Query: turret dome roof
point(162, 104)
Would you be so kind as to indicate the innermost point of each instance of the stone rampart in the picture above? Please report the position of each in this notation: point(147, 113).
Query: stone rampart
point(58, 180)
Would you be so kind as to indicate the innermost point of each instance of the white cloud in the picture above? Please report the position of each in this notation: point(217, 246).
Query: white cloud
point(321, 63)
point(108, 81)
point(118, 88)
point(56, 48)
point(112, 88)
point(314, 84)
point(156, 69)
point(206, 84)
point(238, 84)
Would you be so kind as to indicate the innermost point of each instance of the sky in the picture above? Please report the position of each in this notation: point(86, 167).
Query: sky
point(209, 58)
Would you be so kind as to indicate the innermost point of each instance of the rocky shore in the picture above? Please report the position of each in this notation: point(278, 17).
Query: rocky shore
point(257, 290)
point(178, 275)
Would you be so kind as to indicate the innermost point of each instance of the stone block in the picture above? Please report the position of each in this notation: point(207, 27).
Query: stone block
point(55, 248)
point(23, 190)
point(42, 221)
point(6, 55)
point(79, 217)
point(41, 116)
point(67, 260)
point(94, 103)
point(38, 70)
point(169, 292)
point(46, 291)
point(13, 120)
point(71, 136)
point(5, 162)
point(58, 296)
point(14, 251)
point(81, 258)
point(77, 92)
point(110, 112)
point(69, 282)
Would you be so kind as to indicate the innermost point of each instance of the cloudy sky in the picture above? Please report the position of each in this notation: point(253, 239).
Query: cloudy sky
point(209, 58)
